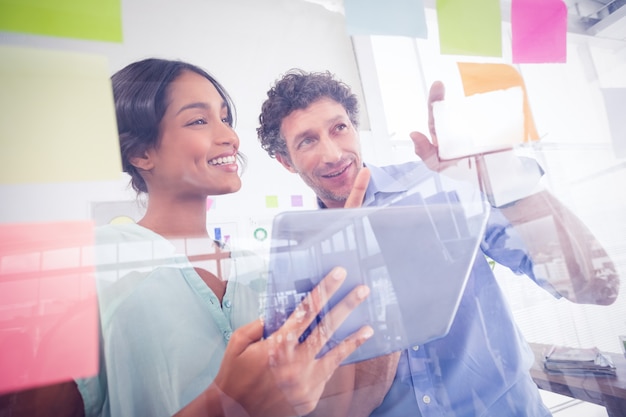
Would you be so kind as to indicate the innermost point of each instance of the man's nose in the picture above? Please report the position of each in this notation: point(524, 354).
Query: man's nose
point(330, 150)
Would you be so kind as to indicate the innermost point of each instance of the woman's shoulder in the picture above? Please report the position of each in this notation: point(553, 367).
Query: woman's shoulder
point(111, 233)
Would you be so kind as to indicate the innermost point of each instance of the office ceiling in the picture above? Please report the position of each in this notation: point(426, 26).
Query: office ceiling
point(601, 18)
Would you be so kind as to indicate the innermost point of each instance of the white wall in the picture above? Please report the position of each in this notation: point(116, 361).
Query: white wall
point(247, 45)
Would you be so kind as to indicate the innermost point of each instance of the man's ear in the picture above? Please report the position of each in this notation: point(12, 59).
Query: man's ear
point(143, 162)
point(284, 161)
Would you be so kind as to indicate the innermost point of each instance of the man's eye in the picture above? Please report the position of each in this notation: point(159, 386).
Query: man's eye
point(306, 141)
point(342, 126)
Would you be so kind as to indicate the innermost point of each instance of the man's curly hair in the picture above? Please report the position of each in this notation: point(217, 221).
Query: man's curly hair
point(296, 90)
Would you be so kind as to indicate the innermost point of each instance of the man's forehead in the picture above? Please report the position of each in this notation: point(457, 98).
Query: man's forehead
point(322, 110)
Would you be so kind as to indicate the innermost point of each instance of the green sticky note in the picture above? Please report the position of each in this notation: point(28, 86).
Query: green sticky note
point(83, 19)
point(57, 118)
point(271, 201)
point(470, 27)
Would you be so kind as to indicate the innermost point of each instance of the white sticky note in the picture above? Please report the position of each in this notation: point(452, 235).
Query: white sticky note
point(508, 178)
point(479, 123)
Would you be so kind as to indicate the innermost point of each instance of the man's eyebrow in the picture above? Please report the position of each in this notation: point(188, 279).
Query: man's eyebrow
point(330, 121)
point(303, 134)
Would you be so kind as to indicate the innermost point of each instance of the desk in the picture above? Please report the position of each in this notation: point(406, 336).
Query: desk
point(607, 391)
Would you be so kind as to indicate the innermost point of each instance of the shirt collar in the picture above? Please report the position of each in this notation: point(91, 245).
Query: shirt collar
point(381, 182)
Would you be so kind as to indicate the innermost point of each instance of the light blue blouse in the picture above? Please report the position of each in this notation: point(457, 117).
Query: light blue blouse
point(163, 330)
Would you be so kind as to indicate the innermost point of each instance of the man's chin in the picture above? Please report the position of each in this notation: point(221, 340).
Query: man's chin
point(334, 200)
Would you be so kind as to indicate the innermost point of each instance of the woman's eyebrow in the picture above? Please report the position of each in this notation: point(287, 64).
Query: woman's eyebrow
point(199, 105)
point(196, 105)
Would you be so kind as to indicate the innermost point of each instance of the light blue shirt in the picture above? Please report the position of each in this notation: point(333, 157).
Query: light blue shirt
point(481, 367)
point(163, 330)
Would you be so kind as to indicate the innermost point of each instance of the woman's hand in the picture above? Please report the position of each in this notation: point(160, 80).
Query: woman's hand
point(279, 376)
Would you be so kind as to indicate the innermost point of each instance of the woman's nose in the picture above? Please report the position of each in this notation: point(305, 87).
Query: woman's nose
point(226, 135)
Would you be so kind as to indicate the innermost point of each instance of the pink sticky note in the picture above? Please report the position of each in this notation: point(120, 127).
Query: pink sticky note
point(209, 203)
point(49, 312)
point(539, 29)
point(296, 201)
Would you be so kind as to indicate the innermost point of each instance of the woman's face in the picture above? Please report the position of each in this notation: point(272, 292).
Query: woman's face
point(197, 147)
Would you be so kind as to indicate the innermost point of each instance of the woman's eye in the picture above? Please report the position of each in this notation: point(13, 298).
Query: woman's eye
point(197, 122)
point(227, 121)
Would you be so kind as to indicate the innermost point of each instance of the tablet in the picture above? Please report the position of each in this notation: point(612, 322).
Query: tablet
point(415, 256)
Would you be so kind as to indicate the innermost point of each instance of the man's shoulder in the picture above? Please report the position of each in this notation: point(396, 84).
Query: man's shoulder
point(412, 171)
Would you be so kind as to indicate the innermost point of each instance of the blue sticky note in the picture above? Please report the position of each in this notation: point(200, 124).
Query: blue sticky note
point(389, 17)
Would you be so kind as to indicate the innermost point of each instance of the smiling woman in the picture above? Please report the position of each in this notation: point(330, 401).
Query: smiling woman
point(180, 332)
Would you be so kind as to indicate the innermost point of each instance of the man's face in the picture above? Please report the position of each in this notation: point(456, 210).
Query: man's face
point(324, 149)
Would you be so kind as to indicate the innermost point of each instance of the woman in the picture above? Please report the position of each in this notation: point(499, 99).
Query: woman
point(180, 334)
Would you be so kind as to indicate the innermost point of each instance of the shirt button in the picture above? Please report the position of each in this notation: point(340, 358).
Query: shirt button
point(426, 399)
point(415, 348)
point(226, 335)
point(227, 304)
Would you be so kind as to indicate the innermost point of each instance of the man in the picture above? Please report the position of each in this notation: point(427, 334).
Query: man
point(309, 124)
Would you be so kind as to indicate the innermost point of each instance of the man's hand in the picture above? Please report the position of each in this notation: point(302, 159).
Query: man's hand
point(427, 151)
point(355, 199)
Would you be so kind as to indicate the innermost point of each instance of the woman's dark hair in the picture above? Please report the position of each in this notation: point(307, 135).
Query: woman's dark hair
point(296, 90)
point(140, 93)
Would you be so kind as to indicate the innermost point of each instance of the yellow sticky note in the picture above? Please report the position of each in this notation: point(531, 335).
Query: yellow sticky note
point(57, 117)
point(271, 201)
point(95, 20)
point(482, 78)
point(470, 27)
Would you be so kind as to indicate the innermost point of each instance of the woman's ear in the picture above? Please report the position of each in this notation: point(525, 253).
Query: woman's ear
point(143, 162)
point(284, 161)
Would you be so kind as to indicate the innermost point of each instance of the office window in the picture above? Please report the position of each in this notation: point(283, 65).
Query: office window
point(576, 150)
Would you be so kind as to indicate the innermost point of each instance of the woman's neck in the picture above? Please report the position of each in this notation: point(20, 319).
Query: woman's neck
point(176, 219)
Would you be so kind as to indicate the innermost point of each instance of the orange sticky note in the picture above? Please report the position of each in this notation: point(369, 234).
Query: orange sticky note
point(48, 307)
point(481, 78)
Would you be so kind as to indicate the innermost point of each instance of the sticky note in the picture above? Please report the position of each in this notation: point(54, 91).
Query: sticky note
point(209, 203)
point(271, 201)
point(470, 27)
point(508, 178)
point(296, 201)
point(538, 31)
point(389, 17)
point(481, 78)
point(480, 123)
point(614, 99)
point(49, 315)
point(95, 20)
point(57, 118)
